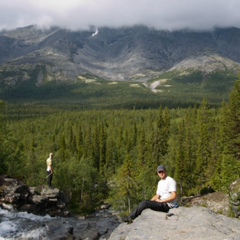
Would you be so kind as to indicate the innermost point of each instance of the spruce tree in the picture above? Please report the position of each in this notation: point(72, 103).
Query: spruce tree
point(231, 123)
point(3, 154)
point(230, 160)
point(161, 136)
point(204, 138)
point(125, 187)
point(181, 171)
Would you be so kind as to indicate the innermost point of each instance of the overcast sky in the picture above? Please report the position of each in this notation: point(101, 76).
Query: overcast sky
point(80, 14)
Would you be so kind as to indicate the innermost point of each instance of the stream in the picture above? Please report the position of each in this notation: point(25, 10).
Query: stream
point(22, 225)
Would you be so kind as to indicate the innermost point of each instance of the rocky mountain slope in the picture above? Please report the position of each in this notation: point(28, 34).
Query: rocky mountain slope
point(132, 53)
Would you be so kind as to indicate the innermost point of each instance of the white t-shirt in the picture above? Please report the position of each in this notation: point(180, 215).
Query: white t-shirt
point(49, 164)
point(164, 189)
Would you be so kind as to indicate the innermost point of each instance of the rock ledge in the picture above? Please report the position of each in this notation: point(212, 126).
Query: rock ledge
point(197, 223)
point(41, 200)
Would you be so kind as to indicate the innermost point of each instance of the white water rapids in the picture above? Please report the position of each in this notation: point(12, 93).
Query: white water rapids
point(27, 226)
point(21, 225)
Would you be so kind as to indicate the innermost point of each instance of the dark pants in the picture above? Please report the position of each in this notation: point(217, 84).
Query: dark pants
point(156, 206)
point(49, 178)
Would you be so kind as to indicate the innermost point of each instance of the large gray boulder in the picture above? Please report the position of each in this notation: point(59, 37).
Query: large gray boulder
point(196, 223)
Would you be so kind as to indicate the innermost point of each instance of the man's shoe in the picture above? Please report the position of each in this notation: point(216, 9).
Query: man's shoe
point(128, 220)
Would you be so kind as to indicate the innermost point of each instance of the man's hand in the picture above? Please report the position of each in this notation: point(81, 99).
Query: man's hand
point(169, 199)
point(155, 198)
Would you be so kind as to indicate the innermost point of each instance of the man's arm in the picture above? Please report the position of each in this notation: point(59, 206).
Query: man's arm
point(155, 198)
point(172, 197)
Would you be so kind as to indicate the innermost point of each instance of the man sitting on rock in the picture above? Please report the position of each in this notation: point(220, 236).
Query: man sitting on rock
point(165, 198)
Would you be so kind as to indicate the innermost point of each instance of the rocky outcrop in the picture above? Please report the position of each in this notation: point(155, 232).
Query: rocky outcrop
point(234, 198)
point(196, 223)
point(50, 218)
point(217, 202)
point(226, 204)
point(14, 194)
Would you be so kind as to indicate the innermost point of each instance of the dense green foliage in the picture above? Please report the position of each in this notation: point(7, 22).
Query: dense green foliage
point(10, 151)
point(113, 154)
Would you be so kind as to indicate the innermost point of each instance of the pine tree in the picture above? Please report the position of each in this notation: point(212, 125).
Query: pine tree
point(102, 149)
point(80, 141)
point(214, 163)
point(82, 176)
point(230, 160)
point(203, 150)
point(190, 148)
point(161, 136)
point(231, 123)
point(72, 141)
point(3, 135)
point(123, 194)
point(146, 167)
point(63, 148)
point(181, 171)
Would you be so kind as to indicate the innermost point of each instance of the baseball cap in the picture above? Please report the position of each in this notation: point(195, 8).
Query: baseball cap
point(161, 168)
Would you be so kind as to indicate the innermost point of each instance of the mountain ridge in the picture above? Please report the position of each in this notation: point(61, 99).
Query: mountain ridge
point(145, 67)
point(124, 54)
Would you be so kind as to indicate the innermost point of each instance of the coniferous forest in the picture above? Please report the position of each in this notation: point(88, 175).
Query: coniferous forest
point(112, 155)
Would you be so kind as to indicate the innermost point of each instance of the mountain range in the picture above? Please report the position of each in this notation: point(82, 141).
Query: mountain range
point(132, 54)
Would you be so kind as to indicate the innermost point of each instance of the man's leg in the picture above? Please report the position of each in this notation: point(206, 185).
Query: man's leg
point(49, 178)
point(156, 206)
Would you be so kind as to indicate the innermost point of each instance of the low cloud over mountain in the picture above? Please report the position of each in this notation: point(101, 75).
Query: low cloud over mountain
point(160, 14)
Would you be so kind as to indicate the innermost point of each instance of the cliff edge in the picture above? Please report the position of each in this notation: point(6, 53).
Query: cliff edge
point(198, 223)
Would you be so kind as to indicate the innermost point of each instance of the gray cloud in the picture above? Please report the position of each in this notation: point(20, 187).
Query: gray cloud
point(80, 14)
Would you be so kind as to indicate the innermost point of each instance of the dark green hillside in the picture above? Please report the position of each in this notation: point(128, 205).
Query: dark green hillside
point(195, 86)
point(93, 93)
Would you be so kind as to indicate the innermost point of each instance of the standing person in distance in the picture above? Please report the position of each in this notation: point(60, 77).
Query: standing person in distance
point(165, 198)
point(50, 170)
